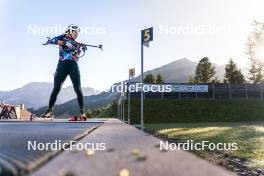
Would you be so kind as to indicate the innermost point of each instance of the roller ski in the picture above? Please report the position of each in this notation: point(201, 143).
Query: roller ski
point(75, 118)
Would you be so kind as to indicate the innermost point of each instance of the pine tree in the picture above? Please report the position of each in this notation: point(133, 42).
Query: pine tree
point(205, 71)
point(149, 79)
point(232, 74)
point(159, 79)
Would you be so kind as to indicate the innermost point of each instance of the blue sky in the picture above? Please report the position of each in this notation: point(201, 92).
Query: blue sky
point(214, 28)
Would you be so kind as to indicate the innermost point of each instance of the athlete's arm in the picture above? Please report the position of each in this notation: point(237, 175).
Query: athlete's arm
point(57, 40)
point(61, 42)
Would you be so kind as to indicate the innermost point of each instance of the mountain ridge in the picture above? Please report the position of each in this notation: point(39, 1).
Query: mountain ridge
point(36, 94)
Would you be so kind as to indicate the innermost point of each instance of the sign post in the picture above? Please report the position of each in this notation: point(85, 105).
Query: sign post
point(122, 106)
point(146, 37)
point(131, 74)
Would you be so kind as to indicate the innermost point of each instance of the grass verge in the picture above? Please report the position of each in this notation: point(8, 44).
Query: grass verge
point(249, 137)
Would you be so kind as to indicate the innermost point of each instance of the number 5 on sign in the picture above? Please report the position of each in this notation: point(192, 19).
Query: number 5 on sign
point(147, 36)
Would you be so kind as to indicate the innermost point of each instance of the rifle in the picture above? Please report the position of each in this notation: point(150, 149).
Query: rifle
point(80, 48)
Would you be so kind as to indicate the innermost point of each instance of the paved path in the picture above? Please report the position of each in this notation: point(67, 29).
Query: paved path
point(122, 158)
point(16, 159)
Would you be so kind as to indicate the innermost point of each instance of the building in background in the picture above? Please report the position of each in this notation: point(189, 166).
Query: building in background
point(19, 112)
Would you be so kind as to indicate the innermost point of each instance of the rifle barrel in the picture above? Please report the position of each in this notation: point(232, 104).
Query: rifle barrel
point(96, 46)
point(91, 45)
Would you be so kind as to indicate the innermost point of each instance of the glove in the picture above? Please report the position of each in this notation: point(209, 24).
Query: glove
point(48, 42)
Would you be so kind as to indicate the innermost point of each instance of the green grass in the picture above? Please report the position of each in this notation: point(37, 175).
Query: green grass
point(248, 135)
point(110, 112)
point(170, 111)
point(230, 121)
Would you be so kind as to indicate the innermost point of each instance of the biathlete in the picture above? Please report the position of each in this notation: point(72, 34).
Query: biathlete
point(67, 65)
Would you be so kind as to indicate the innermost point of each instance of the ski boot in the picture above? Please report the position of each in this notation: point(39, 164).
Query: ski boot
point(83, 117)
point(48, 114)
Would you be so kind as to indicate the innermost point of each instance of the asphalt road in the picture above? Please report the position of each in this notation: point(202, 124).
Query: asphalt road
point(16, 159)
